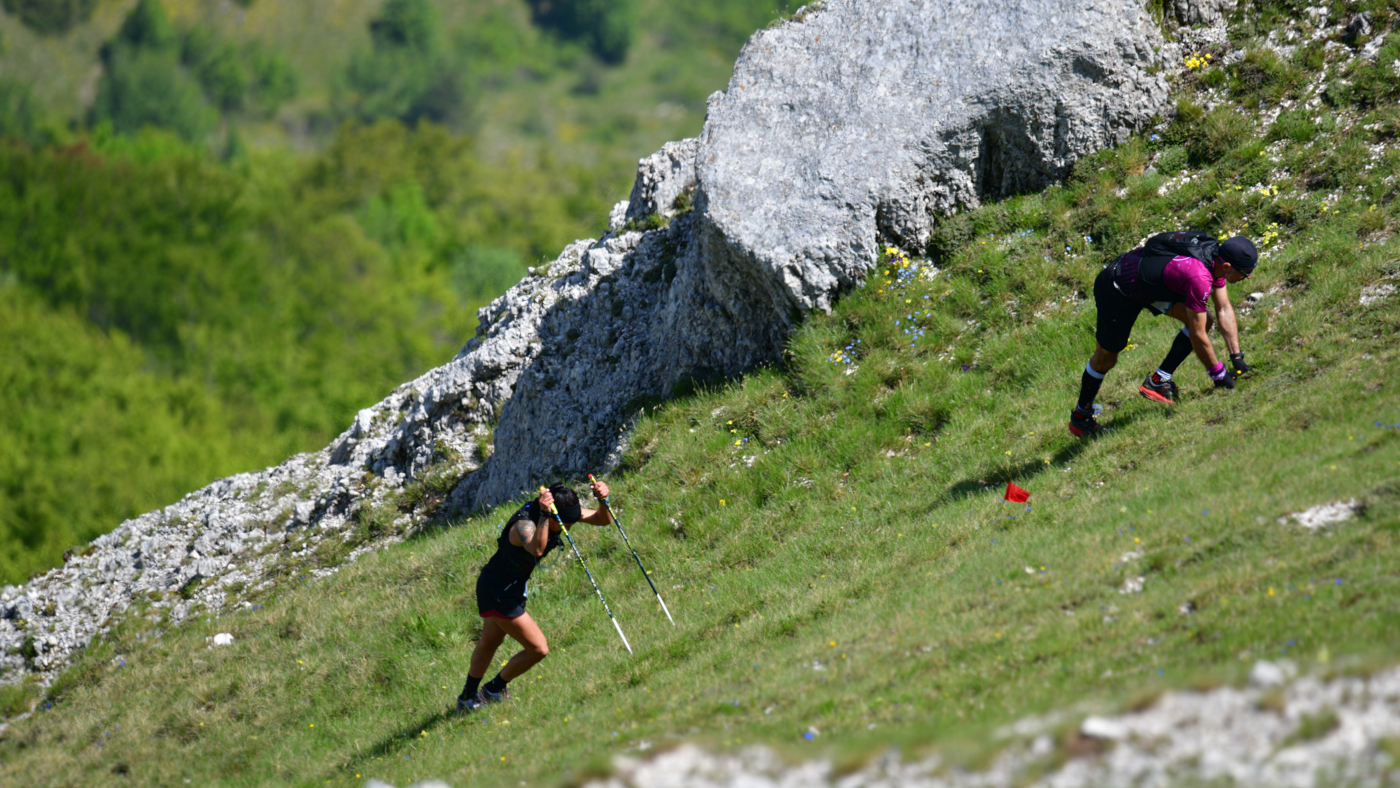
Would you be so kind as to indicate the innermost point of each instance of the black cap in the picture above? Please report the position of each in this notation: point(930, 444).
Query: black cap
point(1240, 253)
point(568, 513)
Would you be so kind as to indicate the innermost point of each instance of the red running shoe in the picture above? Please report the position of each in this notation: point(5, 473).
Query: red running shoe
point(1158, 390)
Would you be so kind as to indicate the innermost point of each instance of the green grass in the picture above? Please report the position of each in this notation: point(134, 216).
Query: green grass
point(866, 533)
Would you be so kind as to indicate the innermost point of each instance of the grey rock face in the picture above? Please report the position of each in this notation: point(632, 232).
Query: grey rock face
point(661, 179)
point(867, 121)
point(1201, 12)
point(861, 124)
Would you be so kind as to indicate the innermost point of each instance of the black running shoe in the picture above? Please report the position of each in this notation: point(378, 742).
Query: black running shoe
point(465, 705)
point(1158, 390)
point(1083, 425)
point(487, 696)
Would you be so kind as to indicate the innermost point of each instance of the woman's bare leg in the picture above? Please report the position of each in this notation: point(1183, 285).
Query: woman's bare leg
point(527, 633)
point(492, 635)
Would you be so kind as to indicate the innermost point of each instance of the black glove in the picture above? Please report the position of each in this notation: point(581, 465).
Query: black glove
point(1237, 361)
point(1227, 382)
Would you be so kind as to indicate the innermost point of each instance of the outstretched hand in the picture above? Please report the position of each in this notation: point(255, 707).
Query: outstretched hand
point(1237, 361)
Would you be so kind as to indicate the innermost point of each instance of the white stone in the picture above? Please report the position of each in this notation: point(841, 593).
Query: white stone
point(1325, 514)
point(1271, 674)
point(1103, 728)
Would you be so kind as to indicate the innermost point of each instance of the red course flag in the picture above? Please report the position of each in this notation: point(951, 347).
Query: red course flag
point(1014, 493)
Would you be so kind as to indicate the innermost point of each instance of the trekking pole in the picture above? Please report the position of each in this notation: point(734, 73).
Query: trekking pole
point(616, 626)
point(638, 559)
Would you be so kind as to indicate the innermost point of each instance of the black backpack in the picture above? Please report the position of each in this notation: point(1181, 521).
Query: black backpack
point(1141, 279)
point(1192, 243)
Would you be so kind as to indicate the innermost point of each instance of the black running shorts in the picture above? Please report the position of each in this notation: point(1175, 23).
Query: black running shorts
point(492, 600)
point(1116, 314)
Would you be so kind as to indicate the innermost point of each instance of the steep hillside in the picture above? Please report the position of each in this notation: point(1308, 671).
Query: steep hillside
point(829, 531)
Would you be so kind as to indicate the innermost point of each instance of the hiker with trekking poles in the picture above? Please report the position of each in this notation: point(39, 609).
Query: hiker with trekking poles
point(502, 587)
point(531, 533)
point(1172, 274)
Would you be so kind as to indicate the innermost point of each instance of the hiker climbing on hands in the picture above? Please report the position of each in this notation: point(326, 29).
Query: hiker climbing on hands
point(1172, 274)
point(501, 589)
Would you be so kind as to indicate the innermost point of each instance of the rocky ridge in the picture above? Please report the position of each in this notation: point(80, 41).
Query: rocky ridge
point(1280, 731)
point(1272, 734)
point(848, 127)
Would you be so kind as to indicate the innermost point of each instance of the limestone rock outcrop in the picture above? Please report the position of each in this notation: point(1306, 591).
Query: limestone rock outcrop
point(845, 128)
point(866, 122)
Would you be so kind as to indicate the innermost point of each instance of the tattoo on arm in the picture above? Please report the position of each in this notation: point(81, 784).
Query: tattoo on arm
point(526, 531)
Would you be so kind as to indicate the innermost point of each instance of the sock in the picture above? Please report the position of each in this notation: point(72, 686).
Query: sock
point(473, 683)
point(1089, 384)
point(496, 685)
point(1181, 348)
point(1163, 377)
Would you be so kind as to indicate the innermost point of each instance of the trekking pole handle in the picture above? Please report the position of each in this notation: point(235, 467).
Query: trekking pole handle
point(554, 511)
point(608, 505)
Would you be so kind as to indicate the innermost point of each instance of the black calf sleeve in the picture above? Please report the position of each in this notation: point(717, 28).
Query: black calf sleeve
point(1181, 348)
point(1088, 390)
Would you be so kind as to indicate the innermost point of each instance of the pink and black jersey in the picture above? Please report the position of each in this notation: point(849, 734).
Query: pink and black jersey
point(1152, 279)
point(1191, 278)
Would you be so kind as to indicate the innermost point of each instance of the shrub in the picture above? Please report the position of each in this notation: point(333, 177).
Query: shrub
point(950, 236)
point(15, 698)
point(1188, 113)
point(1263, 75)
point(1172, 160)
point(1295, 125)
point(1218, 133)
point(1375, 83)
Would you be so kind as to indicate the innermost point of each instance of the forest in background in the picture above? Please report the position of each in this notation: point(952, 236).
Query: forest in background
point(232, 233)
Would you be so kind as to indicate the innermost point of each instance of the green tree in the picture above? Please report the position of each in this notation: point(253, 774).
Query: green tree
point(407, 24)
point(148, 87)
point(19, 112)
point(50, 17)
point(406, 74)
point(607, 27)
point(239, 79)
point(224, 77)
point(148, 27)
point(274, 80)
point(143, 81)
point(92, 436)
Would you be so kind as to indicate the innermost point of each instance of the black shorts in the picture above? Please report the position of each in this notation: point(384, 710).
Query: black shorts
point(1116, 313)
point(494, 601)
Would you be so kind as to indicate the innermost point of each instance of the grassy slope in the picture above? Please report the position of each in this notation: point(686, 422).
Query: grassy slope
point(868, 535)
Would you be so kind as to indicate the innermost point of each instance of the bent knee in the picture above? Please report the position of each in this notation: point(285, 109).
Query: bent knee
point(1103, 361)
point(541, 651)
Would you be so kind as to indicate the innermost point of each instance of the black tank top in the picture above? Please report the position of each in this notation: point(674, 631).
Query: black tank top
point(510, 564)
